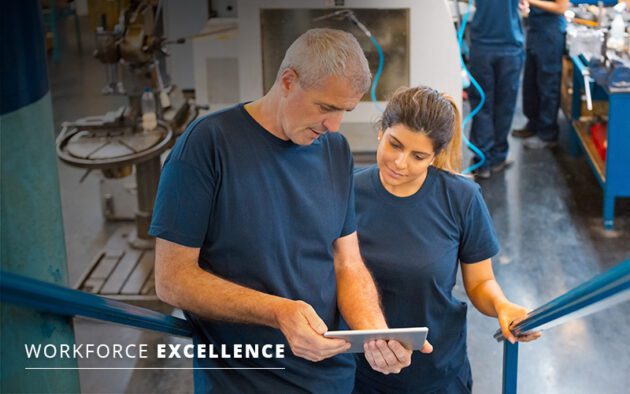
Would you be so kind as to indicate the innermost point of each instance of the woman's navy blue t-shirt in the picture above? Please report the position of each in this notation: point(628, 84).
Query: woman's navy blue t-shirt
point(413, 245)
point(265, 213)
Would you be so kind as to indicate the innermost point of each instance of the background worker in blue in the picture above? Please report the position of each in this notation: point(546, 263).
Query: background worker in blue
point(256, 230)
point(418, 222)
point(543, 72)
point(496, 59)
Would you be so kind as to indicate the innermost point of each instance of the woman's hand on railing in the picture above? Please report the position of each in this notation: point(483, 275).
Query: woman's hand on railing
point(509, 315)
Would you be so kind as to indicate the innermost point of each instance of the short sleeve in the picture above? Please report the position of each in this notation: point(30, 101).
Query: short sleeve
point(479, 240)
point(183, 204)
point(350, 222)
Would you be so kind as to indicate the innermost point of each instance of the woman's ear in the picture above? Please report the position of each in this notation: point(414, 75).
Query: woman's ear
point(380, 134)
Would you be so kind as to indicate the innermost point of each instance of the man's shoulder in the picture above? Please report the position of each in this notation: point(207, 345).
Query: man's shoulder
point(213, 125)
point(203, 136)
point(217, 121)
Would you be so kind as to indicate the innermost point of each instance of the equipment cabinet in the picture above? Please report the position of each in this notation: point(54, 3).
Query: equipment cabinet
point(613, 173)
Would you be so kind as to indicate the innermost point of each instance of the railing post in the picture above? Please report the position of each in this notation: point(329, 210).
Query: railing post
point(510, 367)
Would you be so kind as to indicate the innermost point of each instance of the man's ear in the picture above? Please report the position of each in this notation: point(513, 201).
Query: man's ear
point(288, 78)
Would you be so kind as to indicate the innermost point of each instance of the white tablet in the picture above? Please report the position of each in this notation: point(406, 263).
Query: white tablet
point(412, 338)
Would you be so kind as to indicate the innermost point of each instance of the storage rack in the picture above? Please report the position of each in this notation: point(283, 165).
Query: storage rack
point(613, 174)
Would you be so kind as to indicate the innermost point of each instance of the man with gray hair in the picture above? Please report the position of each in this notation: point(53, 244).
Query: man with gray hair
point(256, 230)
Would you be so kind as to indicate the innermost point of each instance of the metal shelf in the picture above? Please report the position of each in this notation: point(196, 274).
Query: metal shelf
point(613, 174)
point(581, 129)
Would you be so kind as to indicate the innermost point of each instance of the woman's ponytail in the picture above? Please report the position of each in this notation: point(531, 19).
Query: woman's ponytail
point(450, 157)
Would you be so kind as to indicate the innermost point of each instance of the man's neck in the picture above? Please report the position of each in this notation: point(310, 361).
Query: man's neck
point(265, 113)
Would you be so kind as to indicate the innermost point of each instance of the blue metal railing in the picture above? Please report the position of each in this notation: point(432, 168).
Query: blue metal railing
point(599, 293)
point(47, 297)
point(603, 291)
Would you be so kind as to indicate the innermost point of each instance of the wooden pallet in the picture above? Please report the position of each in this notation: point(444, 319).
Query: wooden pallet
point(120, 271)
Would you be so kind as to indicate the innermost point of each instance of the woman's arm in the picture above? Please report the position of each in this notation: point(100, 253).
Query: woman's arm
point(555, 7)
point(487, 296)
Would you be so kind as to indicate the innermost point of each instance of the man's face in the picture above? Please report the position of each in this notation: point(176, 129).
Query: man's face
point(307, 114)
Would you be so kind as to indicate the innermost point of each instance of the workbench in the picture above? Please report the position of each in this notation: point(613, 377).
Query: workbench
point(613, 174)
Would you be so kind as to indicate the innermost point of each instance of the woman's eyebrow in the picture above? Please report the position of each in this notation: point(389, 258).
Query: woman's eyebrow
point(415, 151)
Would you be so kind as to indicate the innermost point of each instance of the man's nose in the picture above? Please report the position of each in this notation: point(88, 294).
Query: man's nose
point(333, 121)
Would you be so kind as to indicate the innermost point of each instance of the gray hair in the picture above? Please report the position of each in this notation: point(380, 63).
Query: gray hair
point(320, 53)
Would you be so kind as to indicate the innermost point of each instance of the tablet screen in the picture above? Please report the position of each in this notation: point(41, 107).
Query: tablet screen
point(411, 338)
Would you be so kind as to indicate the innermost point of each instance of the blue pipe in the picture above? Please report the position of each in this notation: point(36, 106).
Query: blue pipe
point(610, 283)
point(510, 368)
point(60, 300)
point(475, 111)
point(379, 71)
point(604, 286)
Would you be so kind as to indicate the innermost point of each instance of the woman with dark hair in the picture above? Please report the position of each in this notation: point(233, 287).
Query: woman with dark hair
point(418, 221)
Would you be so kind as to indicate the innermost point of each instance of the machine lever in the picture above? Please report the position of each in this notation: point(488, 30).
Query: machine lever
point(587, 90)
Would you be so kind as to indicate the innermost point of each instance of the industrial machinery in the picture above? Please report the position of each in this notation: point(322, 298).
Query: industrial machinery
point(117, 141)
point(129, 139)
point(600, 35)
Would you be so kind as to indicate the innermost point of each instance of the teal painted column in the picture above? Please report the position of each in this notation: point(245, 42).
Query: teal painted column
point(31, 229)
point(32, 244)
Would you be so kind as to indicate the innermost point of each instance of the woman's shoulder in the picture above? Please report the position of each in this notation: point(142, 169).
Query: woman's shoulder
point(459, 182)
point(458, 185)
point(362, 176)
point(363, 171)
point(462, 196)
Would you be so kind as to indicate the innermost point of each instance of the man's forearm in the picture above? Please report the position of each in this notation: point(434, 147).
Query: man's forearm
point(358, 298)
point(212, 297)
point(180, 282)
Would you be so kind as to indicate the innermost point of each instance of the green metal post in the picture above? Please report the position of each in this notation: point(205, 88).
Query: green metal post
point(31, 229)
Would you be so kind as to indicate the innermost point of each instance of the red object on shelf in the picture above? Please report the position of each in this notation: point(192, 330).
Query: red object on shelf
point(599, 134)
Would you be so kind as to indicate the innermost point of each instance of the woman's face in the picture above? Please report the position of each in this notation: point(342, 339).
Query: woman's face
point(403, 157)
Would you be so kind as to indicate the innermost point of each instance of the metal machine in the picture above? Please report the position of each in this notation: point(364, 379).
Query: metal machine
point(120, 143)
point(600, 35)
point(116, 142)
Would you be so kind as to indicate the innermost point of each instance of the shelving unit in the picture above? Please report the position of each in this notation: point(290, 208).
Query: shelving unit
point(613, 174)
point(581, 130)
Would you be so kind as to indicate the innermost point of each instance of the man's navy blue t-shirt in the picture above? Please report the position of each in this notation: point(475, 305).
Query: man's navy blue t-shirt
point(496, 25)
point(413, 245)
point(265, 213)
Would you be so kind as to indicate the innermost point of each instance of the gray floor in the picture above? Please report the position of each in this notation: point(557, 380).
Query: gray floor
point(546, 209)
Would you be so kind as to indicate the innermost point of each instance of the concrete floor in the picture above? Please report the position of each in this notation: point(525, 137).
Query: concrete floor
point(547, 212)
